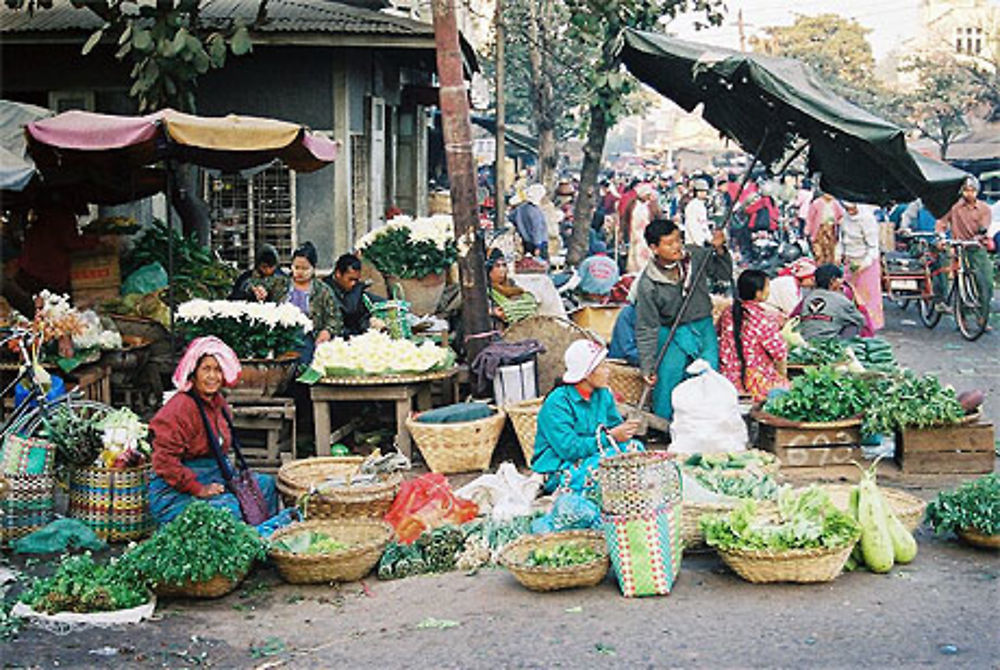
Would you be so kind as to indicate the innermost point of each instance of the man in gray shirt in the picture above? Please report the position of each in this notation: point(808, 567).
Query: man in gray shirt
point(827, 313)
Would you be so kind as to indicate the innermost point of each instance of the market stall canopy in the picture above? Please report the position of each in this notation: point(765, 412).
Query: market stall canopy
point(72, 139)
point(770, 105)
point(16, 170)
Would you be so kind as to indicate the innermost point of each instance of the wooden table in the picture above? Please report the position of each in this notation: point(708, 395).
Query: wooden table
point(401, 390)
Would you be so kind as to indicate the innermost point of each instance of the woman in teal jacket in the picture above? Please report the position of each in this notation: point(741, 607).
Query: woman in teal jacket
point(566, 447)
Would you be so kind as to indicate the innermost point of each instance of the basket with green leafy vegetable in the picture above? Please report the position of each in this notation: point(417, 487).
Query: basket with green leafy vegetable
point(820, 396)
point(329, 550)
point(806, 540)
point(972, 511)
point(563, 560)
point(83, 586)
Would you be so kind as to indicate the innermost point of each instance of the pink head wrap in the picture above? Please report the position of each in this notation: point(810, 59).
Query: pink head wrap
point(207, 346)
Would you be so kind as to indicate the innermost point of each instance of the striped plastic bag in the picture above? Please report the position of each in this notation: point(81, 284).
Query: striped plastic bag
point(645, 550)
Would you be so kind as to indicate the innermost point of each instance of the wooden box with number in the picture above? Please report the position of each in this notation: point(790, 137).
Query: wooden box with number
point(809, 445)
point(961, 449)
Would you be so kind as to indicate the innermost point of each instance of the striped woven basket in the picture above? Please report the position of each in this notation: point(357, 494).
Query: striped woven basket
point(646, 550)
point(25, 506)
point(114, 503)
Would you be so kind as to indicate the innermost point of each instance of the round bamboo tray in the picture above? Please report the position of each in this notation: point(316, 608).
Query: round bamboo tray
point(803, 566)
point(378, 380)
point(216, 587)
point(367, 539)
point(297, 480)
point(772, 420)
point(908, 508)
point(543, 578)
point(977, 539)
point(458, 447)
point(524, 417)
point(626, 381)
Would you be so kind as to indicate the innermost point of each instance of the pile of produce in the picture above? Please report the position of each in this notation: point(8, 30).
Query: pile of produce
point(910, 400)
point(114, 439)
point(124, 440)
point(376, 353)
point(806, 520)
point(884, 539)
point(407, 248)
point(201, 543)
point(818, 352)
point(309, 542)
point(81, 585)
point(822, 395)
point(874, 353)
point(746, 485)
point(752, 459)
point(434, 551)
point(561, 555)
point(146, 305)
point(252, 329)
point(484, 538)
point(973, 506)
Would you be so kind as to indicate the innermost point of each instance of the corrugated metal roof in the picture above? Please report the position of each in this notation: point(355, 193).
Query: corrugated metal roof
point(307, 16)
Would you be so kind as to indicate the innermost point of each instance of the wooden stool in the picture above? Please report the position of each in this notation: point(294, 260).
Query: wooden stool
point(266, 429)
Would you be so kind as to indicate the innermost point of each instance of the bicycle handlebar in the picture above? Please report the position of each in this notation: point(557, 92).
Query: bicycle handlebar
point(964, 243)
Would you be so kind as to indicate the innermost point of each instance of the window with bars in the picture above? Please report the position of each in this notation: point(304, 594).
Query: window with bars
point(249, 212)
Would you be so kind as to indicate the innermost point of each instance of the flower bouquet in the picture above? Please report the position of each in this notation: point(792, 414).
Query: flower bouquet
point(254, 330)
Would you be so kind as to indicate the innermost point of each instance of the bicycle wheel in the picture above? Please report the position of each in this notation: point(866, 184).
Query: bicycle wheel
point(928, 315)
point(969, 309)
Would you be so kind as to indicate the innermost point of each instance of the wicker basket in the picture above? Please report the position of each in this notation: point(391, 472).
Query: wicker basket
point(26, 505)
point(524, 416)
point(114, 503)
point(795, 565)
point(977, 539)
point(908, 509)
point(297, 479)
point(638, 482)
point(367, 539)
point(458, 447)
point(692, 512)
point(543, 578)
point(216, 587)
point(626, 381)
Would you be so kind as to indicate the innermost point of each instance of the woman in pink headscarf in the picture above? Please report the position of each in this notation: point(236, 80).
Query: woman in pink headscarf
point(184, 466)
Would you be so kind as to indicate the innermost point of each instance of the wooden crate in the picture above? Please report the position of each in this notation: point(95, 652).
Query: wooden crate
point(965, 449)
point(266, 429)
point(800, 447)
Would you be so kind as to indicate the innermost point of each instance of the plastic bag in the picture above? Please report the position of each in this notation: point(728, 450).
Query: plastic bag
point(707, 415)
point(506, 494)
point(570, 511)
point(59, 536)
point(147, 279)
point(426, 503)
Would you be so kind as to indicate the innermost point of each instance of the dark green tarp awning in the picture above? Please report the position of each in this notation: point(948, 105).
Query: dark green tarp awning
point(860, 156)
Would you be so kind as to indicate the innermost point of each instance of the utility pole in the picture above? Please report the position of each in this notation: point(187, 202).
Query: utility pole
point(500, 184)
point(454, 102)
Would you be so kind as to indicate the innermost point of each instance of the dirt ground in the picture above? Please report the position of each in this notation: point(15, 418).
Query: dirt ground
point(939, 611)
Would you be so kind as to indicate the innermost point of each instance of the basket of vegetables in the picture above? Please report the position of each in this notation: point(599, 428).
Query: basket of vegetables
point(331, 488)
point(524, 417)
point(553, 561)
point(328, 550)
point(83, 586)
point(731, 489)
point(972, 511)
point(203, 553)
point(807, 540)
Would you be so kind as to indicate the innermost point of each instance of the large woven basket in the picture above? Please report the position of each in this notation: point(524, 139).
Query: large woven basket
point(908, 508)
point(977, 539)
point(458, 447)
point(114, 503)
point(515, 555)
point(367, 539)
point(524, 416)
point(795, 565)
point(297, 480)
point(626, 381)
point(216, 587)
point(692, 512)
point(638, 482)
point(26, 505)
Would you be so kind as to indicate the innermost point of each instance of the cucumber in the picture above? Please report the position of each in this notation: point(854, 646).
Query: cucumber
point(852, 510)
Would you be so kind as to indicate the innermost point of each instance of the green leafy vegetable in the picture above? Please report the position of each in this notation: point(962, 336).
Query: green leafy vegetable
point(745, 485)
point(818, 352)
point(81, 585)
point(822, 395)
point(909, 400)
point(310, 542)
point(973, 505)
point(562, 555)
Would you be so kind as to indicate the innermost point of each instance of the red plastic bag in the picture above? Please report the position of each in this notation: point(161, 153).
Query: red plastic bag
point(426, 503)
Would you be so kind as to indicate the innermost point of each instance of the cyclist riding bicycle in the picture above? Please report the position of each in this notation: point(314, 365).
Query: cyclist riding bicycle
point(968, 220)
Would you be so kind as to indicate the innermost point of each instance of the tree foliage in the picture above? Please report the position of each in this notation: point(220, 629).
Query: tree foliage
point(166, 42)
point(945, 95)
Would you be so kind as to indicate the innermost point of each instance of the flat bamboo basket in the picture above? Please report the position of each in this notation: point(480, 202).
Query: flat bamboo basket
point(802, 566)
point(515, 555)
point(458, 447)
point(366, 538)
point(524, 417)
point(297, 480)
point(977, 539)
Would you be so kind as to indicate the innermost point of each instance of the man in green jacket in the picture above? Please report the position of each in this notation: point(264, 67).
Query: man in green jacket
point(660, 290)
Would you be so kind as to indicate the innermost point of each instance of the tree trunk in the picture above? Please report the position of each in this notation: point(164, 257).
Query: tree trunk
point(457, 131)
point(583, 210)
point(541, 100)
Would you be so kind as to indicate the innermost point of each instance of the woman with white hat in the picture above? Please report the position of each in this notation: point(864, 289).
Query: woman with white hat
point(566, 448)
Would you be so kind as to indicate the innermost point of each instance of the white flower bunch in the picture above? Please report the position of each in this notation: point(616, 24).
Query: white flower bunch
point(93, 335)
point(375, 353)
point(267, 314)
point(437, 229)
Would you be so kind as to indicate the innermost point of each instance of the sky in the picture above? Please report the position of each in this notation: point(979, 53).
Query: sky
point(891, 21)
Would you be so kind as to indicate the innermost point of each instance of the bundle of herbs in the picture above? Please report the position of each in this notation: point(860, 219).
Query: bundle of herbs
point(822, 395)
point(972, 506)
point(82, 585)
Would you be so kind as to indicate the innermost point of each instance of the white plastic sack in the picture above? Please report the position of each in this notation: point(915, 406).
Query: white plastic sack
point(707, 416)
point(505, 495)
